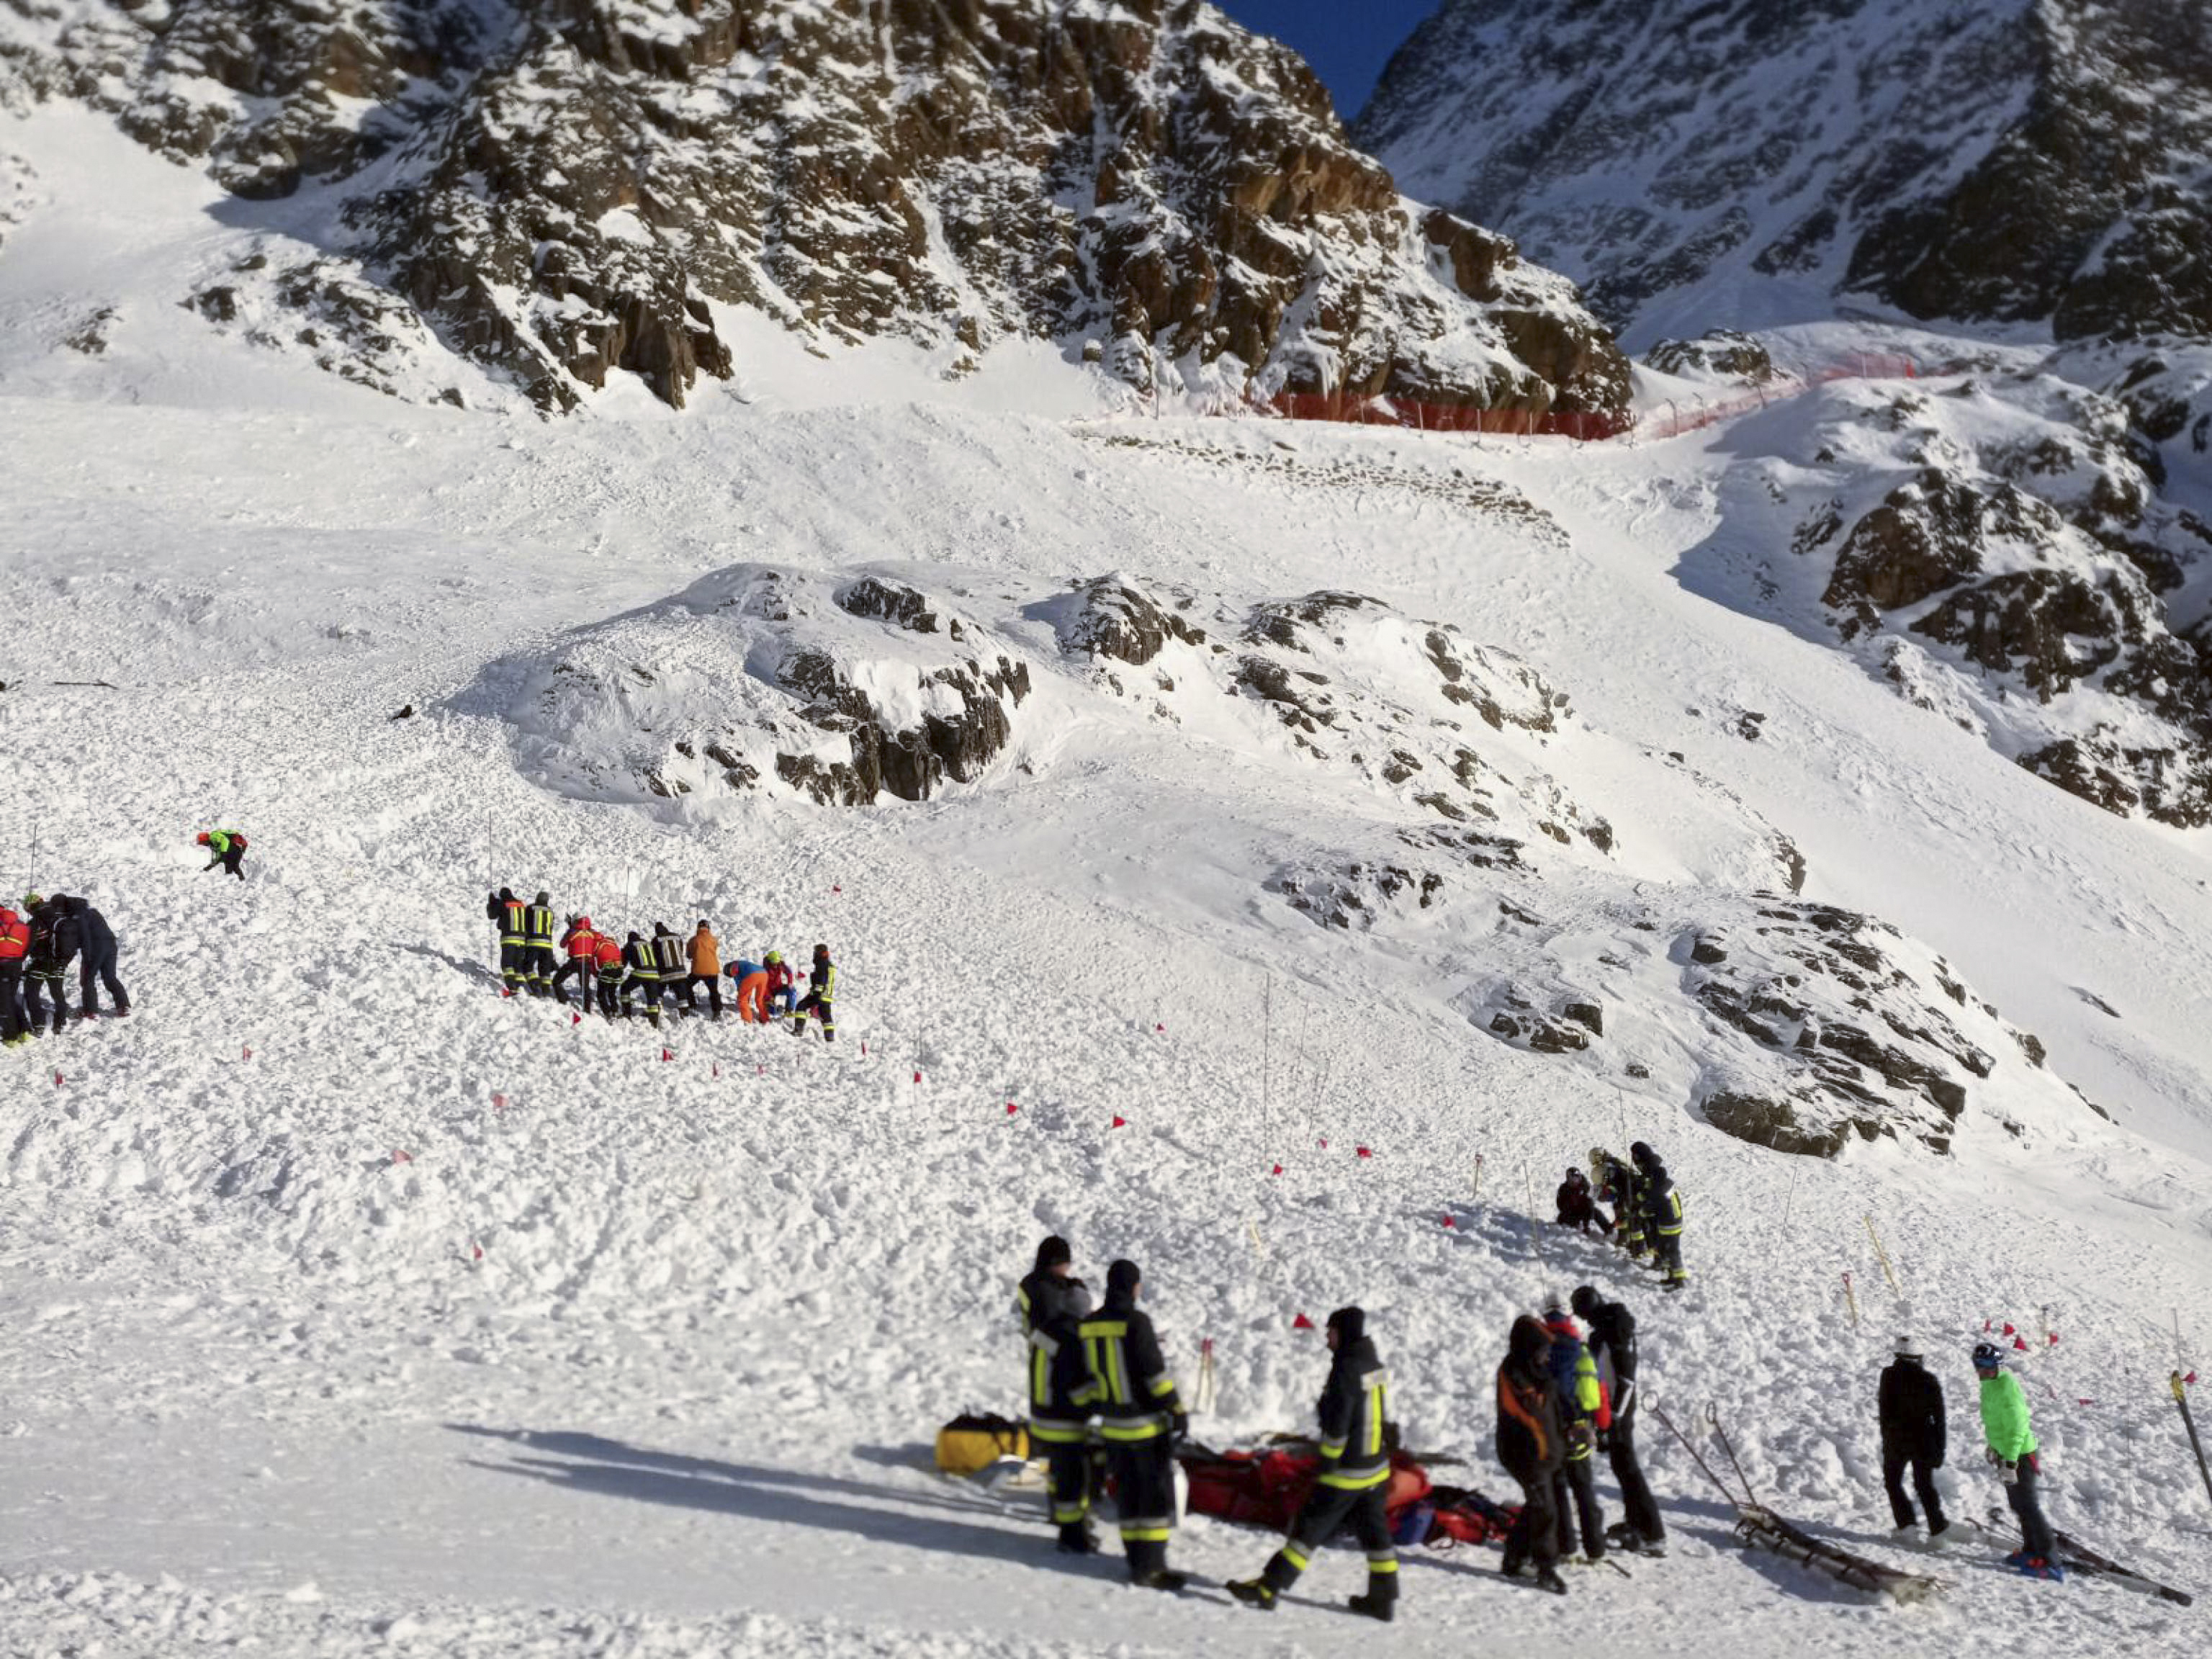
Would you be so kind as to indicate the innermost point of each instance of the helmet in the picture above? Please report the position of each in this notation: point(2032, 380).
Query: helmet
point(1554, 1303)
point(1642, 1154)
point(544, 897)
point(583, 921)
point(774, 958)
point(31, 902)
point(1907, 1347)
point(821, 950)
point(1583, 1302)
point(201, 838)
point(1987, 1356)
point(1598, 1159)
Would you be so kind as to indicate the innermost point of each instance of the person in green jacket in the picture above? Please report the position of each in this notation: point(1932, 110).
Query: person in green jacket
point(229, 847)
point(2013, 1450)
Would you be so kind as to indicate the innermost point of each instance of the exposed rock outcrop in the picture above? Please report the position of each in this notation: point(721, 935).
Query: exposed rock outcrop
point(565, 190)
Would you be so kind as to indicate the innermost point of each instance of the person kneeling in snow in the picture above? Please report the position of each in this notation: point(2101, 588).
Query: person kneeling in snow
point(1354, 1482)
point(1577, 1208)
point(2013, 1451)
point(229, 847)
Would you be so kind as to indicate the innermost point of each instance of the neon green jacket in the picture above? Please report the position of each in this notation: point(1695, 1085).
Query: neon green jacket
point(2004, 1417)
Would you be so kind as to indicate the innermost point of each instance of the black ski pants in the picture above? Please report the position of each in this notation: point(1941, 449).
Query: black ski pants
point(1638, 1505)
point(811, 1004)
point(49, 981)
point(100, 965)
point(1327, 1511)
point(1893, 1464)
point(1143, 1471)
point(513, 964)
point(1667, 1252)
point(231, 861)
point(1574, 1496)
point(578, 969)
point(1067, 1483)
point(714, 984)
point(538, 968)
point(1535, 1537)
point(610, 992)
point(2023, 1493)
point(12, 1023)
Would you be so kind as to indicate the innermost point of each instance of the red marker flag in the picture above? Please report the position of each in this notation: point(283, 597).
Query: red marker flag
point(1278, 1170)
point(1011, 1108)
point(1302, 1323)
point(1363, 1152)
point(1449, 1222)
point(1119, 1121)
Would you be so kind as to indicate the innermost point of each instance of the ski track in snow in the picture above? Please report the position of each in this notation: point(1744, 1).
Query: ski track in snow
point(260, 1383)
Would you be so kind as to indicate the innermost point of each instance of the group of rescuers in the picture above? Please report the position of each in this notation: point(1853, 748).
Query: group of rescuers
point(649, 967)
point(1560, 1395)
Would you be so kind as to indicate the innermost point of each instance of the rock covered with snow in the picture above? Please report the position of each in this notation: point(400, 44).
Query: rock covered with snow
point(566, 192)
point(1694, 163)
point(1995, 544)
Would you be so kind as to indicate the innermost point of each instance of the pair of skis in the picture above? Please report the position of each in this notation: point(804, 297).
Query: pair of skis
point(2077, 1557)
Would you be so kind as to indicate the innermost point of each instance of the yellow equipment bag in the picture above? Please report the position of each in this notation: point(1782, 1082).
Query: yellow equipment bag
point(972, 1441)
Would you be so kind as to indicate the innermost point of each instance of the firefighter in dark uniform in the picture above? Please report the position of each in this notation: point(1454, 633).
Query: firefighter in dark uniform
point(1663, 1214)
point(821, 997)
point(1616, 1186)
point(1354, 1482)
point(505, 910)
point(1613, 1345)
point(641, 976)
point(1053, 1302)
point(671, 967)
point(1140, 1417)
point(537, 945)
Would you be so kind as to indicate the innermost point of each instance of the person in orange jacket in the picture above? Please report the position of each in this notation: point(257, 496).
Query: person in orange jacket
point(607, 969)
point(15, 950)
point(706, 970)
point(580, 945)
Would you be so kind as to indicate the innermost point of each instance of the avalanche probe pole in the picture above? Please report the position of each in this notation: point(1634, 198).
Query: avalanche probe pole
point(2181, 1399)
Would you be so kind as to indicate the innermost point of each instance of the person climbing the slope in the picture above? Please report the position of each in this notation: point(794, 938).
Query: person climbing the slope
point(1584, 1413)
point(782, 996)
point(752, 981)
point(1140, 1417)
point(1528, 1444)
point(1613, 1345)
point(1663, 1215)
point(820, 997)
point(537, 945)
point(229, 847)
point(95, 961)
point(1909, 1401)
point(607, 967)
point(706, 953)
point(14, 954)
point(1354, 1481)
point(580, 945)
point(506, 910)
point(2013, 1453)
point(1053, 1302)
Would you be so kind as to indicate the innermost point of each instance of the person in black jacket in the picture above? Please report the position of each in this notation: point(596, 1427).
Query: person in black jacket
point(1663, 1215)
point(1052, 1302)
point(506, 910)
point(1140, 1417)
point(1354, 1481)
point(537, 946)
point(54, 940)
point(1613, 1345)
point(1576, 1208)
point(1530, 1446)
point(96, 960)
point(1910, 1402)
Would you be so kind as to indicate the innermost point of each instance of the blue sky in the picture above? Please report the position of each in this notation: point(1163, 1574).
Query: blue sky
point(1346, 41)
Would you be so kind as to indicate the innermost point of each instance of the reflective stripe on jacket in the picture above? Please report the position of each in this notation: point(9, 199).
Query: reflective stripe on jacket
point(1354, 1408)
point(1135, 1397)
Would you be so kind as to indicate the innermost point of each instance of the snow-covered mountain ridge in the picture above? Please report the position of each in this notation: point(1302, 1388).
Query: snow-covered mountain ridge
point(564, 192)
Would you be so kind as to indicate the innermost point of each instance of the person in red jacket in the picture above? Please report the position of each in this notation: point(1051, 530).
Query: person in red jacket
point(607, 966)
point(782, 994)
point(580, 945)
point(15, 949)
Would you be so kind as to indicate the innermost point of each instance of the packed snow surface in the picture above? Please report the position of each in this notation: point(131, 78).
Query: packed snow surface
point(352, 1309)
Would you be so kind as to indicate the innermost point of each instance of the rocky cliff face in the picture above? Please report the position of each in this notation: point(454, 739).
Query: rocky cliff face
point(1747, 161)
point(566, 190)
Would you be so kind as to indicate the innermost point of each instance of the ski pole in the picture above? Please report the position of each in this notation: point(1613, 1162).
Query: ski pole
point(2181, 1399)
point(1888, 1272)
point(1478, 1175)
point(1851, 1297)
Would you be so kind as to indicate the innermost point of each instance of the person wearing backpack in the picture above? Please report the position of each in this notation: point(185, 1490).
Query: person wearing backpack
point(14, 951)
point(1584, 1413)
point(1354, 1483)
point(1052, 1302)
point(1613, 1345)
point(1909, 1403)
point(1529, 1445)
point(229, 847)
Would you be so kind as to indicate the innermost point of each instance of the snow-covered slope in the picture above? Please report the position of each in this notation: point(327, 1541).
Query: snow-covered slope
point(1746, 164)
point(354, 1309)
